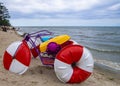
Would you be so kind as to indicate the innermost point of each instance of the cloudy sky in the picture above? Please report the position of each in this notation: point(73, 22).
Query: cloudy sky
point(64, 12)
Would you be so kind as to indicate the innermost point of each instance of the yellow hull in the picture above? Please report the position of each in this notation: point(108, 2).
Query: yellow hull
point(58, 39)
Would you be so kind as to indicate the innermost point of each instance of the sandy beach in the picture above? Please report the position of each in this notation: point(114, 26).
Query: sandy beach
point(39, 75)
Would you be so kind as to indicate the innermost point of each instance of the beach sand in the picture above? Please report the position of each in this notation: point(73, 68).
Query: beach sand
point(39, 75)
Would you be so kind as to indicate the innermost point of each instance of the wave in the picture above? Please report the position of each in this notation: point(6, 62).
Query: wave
point(82, 36)
point(103, 50)
point(107, 34)
point(111, 64)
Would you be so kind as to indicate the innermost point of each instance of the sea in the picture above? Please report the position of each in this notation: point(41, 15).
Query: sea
point(103, 42)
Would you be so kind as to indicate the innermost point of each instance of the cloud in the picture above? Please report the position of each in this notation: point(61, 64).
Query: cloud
point(32, 6)
point(73, 9)
point(65, 22)
point(115, 7)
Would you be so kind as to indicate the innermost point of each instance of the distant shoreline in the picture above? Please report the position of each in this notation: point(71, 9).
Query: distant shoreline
point(68, 26)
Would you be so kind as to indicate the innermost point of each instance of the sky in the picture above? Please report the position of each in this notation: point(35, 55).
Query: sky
point(63, 12)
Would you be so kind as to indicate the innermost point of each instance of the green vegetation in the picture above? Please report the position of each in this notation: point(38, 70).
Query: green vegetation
point(4, 16)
